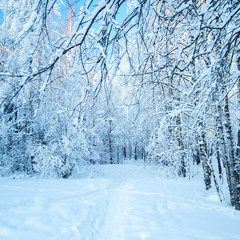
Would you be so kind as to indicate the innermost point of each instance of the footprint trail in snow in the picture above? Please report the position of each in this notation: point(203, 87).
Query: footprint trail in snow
point(119, 202)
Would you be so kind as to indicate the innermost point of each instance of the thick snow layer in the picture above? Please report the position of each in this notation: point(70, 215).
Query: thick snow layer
point(119, 202)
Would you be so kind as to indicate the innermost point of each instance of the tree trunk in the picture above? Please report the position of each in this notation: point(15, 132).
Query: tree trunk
point(182, 171)
point(204, 159)
point(118, 154)
point(229, 140)
point(110, 142)
point(135, 152)
point(237, 163)
point(125, 151)
point(222, 149)
point(219, 161)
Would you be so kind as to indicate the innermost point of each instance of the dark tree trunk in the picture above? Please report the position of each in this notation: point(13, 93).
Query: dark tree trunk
point(135, 152)
point(219, 161)
point(125, 152)
point(110, 142)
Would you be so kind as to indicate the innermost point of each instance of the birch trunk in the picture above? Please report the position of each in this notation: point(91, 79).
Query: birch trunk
point(180, 144)
point(237, 163)
point(223, 152)
point(231, 158)
point(204, 159)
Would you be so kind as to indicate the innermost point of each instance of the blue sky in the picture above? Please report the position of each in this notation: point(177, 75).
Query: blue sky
point(1, 17)
point(121, 15)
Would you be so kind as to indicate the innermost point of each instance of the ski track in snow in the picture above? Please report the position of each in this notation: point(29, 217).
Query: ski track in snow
point(119, 202)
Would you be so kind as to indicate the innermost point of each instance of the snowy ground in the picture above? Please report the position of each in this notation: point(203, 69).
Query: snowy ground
point(119, 202)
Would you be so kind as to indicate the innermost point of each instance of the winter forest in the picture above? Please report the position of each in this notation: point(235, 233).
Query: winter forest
point(99, 82)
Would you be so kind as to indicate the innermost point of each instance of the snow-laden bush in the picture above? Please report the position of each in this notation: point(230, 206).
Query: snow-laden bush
point(63, 157)
point(165, 150)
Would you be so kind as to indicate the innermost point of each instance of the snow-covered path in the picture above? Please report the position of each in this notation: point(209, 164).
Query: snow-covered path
point(119, 202)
